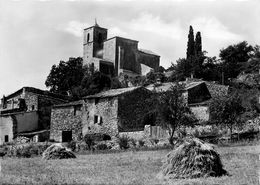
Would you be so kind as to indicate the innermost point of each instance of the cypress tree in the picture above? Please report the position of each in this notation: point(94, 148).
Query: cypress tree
point(198, 44)
point(190, 46)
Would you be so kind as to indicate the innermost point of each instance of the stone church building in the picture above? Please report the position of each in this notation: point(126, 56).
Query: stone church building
point(116, 55)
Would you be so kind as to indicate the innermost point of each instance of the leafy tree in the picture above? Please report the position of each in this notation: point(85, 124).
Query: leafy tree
point(172, 110)
point(233, 57)
point(71, 78)
point(226, 111)
point(190, 45)
point(65, 76)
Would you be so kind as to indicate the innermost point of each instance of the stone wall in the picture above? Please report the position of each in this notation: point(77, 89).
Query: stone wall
point(27, 121)
point(133, 110)
point(201, 112)
point(45, 104)
point(152, 61)
point(110, 50)
point(6, 128)
point(66, 119)
point(105, 110)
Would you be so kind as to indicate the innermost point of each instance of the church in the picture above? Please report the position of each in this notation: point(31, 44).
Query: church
point(117, 55)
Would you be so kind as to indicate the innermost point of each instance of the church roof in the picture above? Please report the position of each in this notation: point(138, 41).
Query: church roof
point(113, 92)
point(148, 52)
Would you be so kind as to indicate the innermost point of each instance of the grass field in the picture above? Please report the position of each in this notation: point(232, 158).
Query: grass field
point(130, 167)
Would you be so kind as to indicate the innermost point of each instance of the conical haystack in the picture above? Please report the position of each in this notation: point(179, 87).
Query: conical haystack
point(57, 151)
point(192, 158)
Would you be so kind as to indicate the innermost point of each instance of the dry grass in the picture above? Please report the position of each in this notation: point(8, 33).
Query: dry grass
point(125, 168)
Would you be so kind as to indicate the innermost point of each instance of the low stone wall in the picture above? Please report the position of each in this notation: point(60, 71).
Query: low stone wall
point(135, 135)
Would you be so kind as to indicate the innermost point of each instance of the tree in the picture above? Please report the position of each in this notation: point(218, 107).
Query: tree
point(65, 76)
point(233, 57)
point(226, 111)
point(190, 46)
point(172, 110)
point(198, 44)
point(71, 78)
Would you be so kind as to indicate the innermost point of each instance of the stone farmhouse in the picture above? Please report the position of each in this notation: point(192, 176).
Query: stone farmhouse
point(110, 112)
point(26, 110)
point(116, 55)
point(196, 95)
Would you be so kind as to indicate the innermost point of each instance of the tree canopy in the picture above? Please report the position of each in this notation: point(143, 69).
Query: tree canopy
point(71, 78)
point(226, 111)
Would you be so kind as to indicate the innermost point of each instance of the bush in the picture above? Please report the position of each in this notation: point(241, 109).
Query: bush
point(101, 146)
point(141, 142)
point(72, 145)
point(123, 142)
point(132, 142)
point(89, 140)
point(26, 151)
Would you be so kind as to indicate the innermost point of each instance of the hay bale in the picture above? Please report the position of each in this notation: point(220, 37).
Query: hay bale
point(57, 151)
point(192, 158)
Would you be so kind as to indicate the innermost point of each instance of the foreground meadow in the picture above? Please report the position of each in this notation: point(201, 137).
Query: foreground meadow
point(129, 167)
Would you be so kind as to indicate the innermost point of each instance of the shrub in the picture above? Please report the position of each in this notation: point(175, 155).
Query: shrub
point(123, 142)
point(101, 146)
point(132, 142)
point(72, 145)
point(89, 140)
point(141, 142)
point(26, 151)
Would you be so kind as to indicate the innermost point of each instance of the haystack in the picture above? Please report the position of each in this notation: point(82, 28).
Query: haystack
point(57, 151)
point(192, 158)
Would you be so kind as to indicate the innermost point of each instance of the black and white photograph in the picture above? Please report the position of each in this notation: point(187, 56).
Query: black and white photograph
point(130, 92)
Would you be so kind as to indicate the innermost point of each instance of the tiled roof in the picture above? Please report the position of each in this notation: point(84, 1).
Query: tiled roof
point(79, 102)
point(38, 91)
point(112, 92)
point(167, 86)
point(217, 89)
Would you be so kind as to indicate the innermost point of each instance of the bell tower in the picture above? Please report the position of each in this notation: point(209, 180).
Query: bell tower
point(93, 40)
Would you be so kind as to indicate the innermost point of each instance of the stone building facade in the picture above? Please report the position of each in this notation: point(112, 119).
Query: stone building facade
point(116, 111)
point(66, 122)
point(115, 55)
point(26, 110)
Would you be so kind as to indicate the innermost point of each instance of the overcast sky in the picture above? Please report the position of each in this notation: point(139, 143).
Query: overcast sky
point(34, 35)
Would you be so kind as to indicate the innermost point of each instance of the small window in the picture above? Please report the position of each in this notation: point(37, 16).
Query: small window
point(32, 107)
point(100, 39)
point(88, 37)
point(96, 100)
point(77, 110)
point(100, 120)
point(66, 136)
point(6, 138)
point(95, 119)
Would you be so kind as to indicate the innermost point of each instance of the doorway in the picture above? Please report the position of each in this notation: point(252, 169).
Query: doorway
point(66, 136)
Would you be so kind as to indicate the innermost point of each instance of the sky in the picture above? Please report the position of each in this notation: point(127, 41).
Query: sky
point(34, 35)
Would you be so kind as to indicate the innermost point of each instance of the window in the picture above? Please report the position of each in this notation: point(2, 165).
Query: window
point(88, 37)
point(96, 100)
point(66, 136)
point(77, 110)
point(95, 119)
point(98, 120)
point(6, 138)
point(100, 38)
